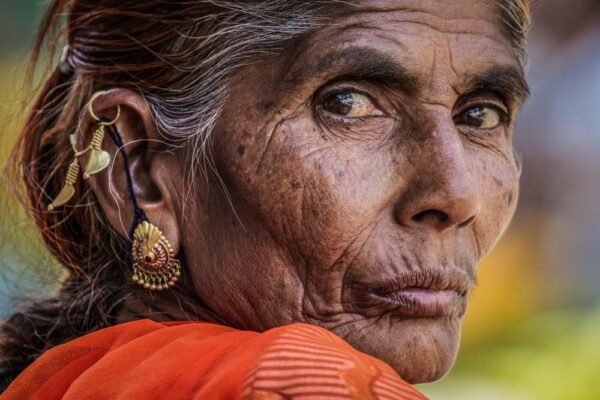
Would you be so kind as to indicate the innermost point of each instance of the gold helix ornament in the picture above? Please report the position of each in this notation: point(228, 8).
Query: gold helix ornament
point(98, 158)
point(97, 161)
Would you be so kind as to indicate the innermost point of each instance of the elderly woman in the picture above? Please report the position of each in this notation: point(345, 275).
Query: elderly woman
point(264, 199)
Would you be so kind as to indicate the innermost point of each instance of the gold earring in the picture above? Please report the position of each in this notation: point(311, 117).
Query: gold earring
point(154, 264)
point(98, 159)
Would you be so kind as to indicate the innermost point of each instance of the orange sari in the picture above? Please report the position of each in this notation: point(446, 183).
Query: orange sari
point(151, 360)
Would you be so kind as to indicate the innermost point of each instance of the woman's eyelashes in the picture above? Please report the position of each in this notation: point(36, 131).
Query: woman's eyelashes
point(485, 112)
point(352, 112)
point(342, 107)
point(350, 104)
point(485, 117)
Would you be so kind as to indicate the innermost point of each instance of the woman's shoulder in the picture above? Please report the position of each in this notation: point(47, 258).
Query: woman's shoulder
point(192, 360)
point(306, 361)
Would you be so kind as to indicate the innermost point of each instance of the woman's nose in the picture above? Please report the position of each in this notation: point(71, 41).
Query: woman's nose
point(442, 194)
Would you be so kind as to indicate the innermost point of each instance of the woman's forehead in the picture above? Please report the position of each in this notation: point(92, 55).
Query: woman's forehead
point(416, 27)
point(412, 46)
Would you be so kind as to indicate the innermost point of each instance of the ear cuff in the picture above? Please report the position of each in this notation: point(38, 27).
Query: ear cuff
point(98, 159)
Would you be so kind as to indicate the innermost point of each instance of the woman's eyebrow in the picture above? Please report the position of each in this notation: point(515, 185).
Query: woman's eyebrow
point(360, 63)
point(368, 63)
point(506, 81)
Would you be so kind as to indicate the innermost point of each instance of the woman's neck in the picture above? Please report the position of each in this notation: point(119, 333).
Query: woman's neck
point(171, 305)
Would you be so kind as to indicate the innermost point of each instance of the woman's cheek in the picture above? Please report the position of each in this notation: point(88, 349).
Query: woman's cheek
point(499, 191)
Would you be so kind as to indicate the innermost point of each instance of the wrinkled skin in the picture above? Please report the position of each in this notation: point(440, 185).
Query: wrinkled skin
point(327, 206)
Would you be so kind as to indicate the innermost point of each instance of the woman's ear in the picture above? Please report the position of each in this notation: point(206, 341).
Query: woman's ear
point(154, 169)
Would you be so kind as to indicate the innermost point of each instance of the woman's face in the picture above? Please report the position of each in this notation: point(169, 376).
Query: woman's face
point(368, 168)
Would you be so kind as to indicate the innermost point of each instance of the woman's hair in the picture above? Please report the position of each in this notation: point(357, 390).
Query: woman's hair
point(179, 55)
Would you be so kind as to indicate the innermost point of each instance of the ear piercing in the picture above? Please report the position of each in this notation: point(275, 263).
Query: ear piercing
point(97, 161)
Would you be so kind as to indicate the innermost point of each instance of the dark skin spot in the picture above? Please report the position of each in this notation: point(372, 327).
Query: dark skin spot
point(241, 149)
point(498, 182)
point(509, 197)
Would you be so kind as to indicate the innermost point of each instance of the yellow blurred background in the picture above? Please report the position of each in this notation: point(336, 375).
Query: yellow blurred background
point(533, 327)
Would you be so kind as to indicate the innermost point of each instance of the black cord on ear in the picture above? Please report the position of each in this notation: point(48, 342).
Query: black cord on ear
point(138, 214)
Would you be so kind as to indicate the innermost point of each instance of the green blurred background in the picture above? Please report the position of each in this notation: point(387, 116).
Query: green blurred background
point(533, 327)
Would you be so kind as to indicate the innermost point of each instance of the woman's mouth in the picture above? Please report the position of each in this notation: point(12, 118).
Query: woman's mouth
point(434, 293)
point(419, 302)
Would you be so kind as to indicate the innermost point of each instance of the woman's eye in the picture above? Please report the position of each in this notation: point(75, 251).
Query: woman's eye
point(350, 104)
point(482, 117)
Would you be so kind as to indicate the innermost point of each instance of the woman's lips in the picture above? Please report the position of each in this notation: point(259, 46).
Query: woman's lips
point(427, 293)
point(423, 303)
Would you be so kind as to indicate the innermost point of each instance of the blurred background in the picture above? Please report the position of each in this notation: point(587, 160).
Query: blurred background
point(533, 327)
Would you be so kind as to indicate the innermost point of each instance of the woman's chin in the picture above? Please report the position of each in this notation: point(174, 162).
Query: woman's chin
point(419, 350)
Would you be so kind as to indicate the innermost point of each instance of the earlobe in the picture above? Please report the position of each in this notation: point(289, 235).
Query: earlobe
point(145, 154)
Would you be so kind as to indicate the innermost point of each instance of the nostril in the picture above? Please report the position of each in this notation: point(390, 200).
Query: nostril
point(433, 216)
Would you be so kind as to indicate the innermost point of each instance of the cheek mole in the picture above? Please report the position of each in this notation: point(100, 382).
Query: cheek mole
point(241, 149)
point(295, 185)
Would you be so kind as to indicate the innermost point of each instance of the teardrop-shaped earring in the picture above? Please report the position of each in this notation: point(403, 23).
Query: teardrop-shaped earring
point(154, 264)
point(97, 161)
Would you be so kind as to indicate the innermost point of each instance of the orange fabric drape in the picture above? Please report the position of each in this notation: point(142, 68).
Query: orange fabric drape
point(151, 360)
